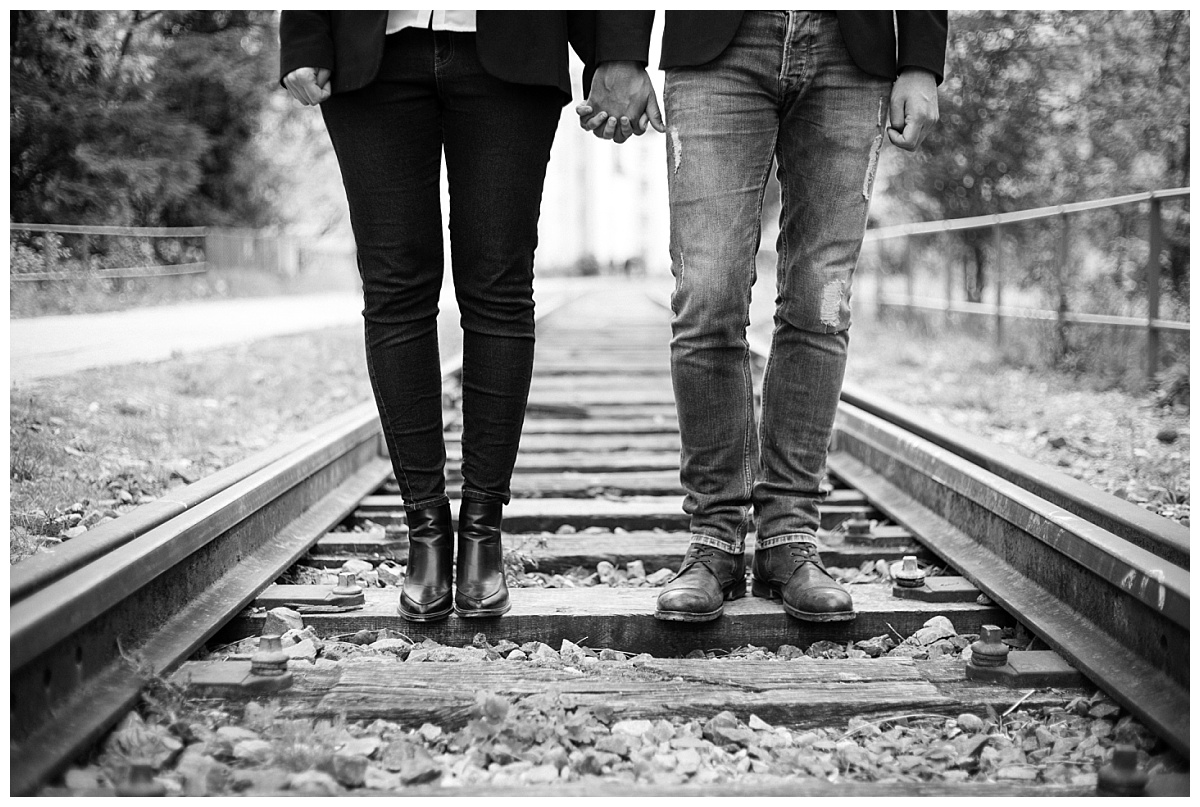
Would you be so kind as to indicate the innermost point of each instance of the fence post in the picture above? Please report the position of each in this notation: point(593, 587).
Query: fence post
point(1152, 277)
point(949, 285)
point(1060, 273)
point(999, 273)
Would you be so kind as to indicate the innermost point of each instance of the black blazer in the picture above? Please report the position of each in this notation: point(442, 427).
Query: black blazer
point(880, 42)
point(523, 47)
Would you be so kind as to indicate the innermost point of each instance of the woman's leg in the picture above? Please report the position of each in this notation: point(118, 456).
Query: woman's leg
point(388, 139)
point(498, 137)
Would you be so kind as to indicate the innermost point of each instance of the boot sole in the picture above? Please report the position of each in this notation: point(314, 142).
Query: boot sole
point(482, 612)
point(436, 617)
point(769, 592)
point(735, 592)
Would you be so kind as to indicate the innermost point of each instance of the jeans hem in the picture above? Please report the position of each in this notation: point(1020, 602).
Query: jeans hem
point(421, 505)
point(732, 547)
point(790, 538)
point(480, 496)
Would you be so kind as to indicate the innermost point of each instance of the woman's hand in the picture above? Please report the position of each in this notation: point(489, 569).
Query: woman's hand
point(308, 85)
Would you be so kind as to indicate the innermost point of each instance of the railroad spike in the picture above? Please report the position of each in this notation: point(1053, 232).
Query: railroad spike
point(909, 575)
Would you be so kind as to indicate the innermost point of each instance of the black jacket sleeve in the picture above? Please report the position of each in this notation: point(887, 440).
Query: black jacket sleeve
point(921, 41)
point(611, 36)
point(305, 40)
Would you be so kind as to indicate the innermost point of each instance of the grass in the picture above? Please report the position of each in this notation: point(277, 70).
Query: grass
point(91, 446)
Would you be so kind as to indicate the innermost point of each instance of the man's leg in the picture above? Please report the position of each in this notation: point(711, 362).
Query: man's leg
point(831, 131)
point(722, 124)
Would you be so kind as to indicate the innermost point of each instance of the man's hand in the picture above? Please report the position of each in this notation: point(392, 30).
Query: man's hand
point(308, 85)
point(914, 108)
point(622, 102)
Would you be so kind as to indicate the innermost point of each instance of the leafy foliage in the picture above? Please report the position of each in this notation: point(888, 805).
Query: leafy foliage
point(139, 118)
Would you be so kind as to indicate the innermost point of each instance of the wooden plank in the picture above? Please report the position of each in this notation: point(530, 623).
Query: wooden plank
point(761, 786)
point(632, 513)
point(623, 619)
point(615, 441)
point(798, 694)
point(560, 553)
point(626, 424)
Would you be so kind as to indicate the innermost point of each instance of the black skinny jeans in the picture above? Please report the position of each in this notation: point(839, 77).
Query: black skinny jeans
point(432, 94)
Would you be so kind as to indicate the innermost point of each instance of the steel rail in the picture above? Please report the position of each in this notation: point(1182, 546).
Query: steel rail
point(89, 629)
point(1134, 524)
point(1119, 613)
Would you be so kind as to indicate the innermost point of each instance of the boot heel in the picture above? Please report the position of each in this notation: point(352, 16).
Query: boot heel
point(761, 589)
point(737, 590)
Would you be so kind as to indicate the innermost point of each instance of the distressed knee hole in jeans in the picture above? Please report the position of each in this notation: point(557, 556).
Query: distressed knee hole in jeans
point(676, 147)
point(831, 303)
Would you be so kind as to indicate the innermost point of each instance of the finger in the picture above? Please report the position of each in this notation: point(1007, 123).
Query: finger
point(901, 140)
point(596, 124)
point(583, 110)
point(610, 129)
point(655, 114)
point(639, 128)
point(323, 74)
point(625, 128)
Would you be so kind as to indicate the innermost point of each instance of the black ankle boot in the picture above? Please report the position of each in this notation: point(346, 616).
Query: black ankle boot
point(425, 596)
point(480, 589)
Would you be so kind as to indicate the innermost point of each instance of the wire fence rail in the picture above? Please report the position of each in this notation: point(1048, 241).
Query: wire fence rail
point(1061, 316)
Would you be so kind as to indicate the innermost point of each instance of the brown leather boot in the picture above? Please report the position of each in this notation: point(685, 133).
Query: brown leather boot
point(795, 573)
point(707, 577)
point(425, 596)
point(480, 589)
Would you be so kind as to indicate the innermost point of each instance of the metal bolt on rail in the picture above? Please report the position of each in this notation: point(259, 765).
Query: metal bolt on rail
point(140, 781)
point(910, 575)
point(348, 591)
point(269, 660)
point(1121, 777)
point(989, 650)
point(858, 529)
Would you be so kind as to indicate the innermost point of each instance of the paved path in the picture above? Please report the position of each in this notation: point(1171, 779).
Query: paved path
point(41, 347)
point(44, 347)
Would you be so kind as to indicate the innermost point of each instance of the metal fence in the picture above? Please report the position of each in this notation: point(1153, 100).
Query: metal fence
point(1152, 324)
point(71, 252)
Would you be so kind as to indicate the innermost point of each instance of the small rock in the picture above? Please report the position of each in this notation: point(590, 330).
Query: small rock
point(616, 744)
point(605, 571)
point(356, 567)
point(1057, 442)
point(607, 654)
point(281, 620)
point(429, 732)
point(542, 774)
point(1167, 435)
point(970, 723)
point(571, 653)
point(659, 577)
point(390, 574)
point(304, 651)
point(697, 653)
point(350, 770)
point(236, 734)
point(89, 778)
point(543, 650)
point(74, 532)
point(379, 779)
point(687, 760)
point(517, 655)
point(566, 529)
point(939, 627)
point(368, 579)
point(202, 775)
point(504, 647)
point(256, 751)
point(787, 652)
point(262, 780)
point(640, 659)
point(632, 728)
point(758, 724)
point(317, 783)
point(360, 746)
point(291, 637)
point(636, 569)
point(457, 654)
point(399, 647)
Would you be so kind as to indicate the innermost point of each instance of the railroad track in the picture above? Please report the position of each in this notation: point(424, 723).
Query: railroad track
point(1098, 581)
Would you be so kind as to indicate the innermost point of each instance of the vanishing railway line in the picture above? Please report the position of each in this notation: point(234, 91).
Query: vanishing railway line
point(1095, 579)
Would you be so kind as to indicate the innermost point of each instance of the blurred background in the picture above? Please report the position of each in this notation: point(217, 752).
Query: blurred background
point(176, 120)
point(1026, 275)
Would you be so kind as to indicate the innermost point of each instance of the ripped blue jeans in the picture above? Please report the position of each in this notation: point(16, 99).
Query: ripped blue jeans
point(785, 88)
